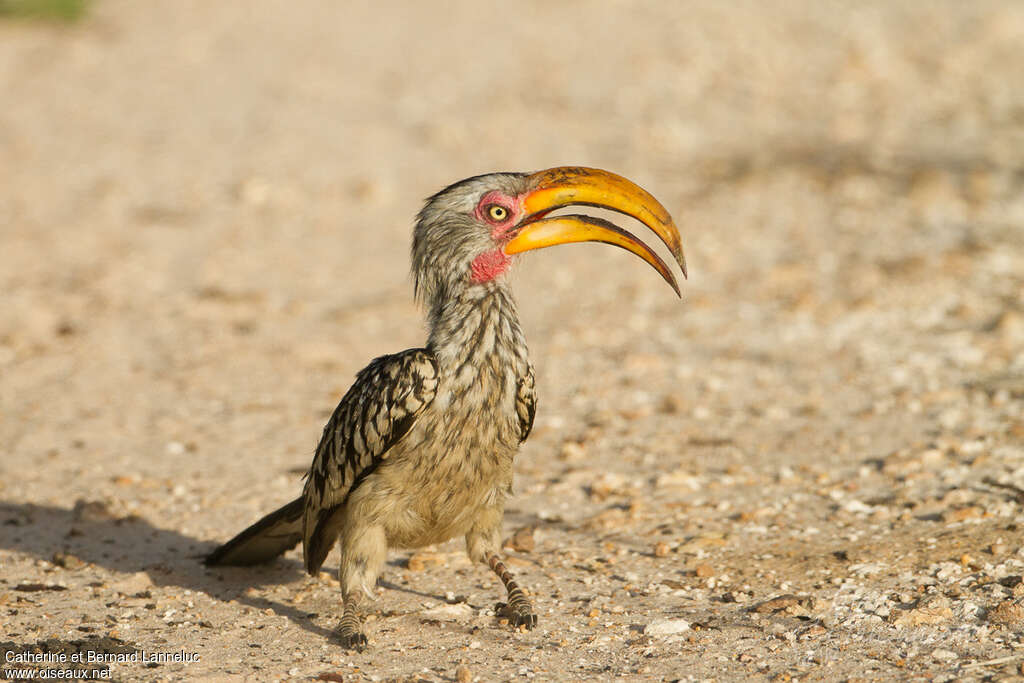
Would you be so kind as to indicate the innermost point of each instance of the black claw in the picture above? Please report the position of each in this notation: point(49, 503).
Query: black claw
point(529, 620)
point(517, 616)
point(353, 641)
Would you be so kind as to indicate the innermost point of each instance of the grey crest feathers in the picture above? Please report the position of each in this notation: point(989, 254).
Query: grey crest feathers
point(448, 236)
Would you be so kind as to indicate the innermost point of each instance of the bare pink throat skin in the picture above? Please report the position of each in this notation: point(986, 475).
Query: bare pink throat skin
point(489, 265)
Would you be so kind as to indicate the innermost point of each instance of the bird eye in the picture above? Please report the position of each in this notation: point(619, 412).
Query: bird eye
point(497, 213)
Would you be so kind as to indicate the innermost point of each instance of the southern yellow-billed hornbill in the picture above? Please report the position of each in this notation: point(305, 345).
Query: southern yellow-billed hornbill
point(420, 449)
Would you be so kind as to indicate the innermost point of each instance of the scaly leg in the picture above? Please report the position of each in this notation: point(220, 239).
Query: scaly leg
point(350, 630)
point(519, 610)
point(482, 543)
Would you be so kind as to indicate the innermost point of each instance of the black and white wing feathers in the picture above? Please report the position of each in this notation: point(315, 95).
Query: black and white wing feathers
point(379, 409)
point(526, 404)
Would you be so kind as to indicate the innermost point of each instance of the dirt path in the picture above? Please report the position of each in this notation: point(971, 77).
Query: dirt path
point(812, 467)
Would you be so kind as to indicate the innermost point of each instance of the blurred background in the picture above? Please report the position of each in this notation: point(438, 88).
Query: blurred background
point(185, 183)
point(205, 211)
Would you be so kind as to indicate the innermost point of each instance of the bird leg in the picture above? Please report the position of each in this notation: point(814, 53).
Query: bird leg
point(518, 610)
point(363, 552)
point(350, 630)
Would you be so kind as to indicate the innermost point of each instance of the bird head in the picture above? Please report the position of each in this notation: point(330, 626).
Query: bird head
point(470, 232)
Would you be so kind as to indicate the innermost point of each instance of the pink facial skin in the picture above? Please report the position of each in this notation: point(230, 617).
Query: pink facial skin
point(512, 204)
point(491, 264)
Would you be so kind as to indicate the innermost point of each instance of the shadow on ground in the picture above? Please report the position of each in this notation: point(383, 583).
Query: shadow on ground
point(91, 534)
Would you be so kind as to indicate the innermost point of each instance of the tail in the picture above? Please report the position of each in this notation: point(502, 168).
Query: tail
point(323, 538)
point(275, 534)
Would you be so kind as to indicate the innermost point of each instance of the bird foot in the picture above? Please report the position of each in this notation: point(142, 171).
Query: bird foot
point(517, 615)
point(352, 640)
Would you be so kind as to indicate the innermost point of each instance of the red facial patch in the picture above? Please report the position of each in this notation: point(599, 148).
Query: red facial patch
point(490, 265)
point(511, 206)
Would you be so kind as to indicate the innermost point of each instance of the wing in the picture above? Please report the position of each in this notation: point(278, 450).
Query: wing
point(526, 404)
point(380, 408)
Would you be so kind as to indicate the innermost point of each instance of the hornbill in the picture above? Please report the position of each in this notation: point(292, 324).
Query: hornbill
point(420, 449)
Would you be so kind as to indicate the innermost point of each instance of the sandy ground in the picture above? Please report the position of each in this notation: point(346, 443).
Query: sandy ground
point(810, 468)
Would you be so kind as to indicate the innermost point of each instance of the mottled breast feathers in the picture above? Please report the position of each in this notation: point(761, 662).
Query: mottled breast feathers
point(377, 411)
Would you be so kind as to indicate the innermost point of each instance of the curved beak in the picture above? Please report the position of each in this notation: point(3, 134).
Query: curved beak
point(568, 186)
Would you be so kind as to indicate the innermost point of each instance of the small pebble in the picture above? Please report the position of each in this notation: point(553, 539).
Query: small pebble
point(930, 610)
point(790, 604)
point(1008, 613)
point(572, 450)
point(67, 561)
point(91, 511)
point(522, 540)
point(962, 514)
point(666, 627)
point(421, 560)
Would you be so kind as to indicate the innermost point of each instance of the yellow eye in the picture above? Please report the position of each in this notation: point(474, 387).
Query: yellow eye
point(497, 213)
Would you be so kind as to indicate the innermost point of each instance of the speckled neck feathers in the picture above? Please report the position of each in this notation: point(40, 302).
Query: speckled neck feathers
point(476, 336)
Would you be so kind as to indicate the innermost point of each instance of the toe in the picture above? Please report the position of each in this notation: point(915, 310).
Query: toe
point(353, 641)
point(528, 619)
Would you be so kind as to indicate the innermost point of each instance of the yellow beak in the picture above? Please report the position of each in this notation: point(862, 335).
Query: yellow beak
point(567, 186)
